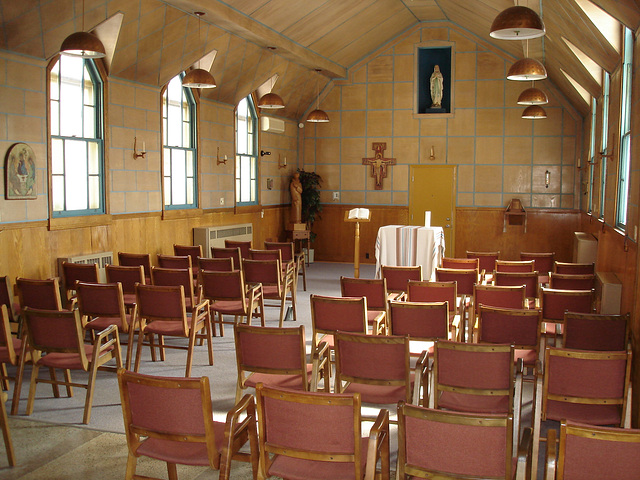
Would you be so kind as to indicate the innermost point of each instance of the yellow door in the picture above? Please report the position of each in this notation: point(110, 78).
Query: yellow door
point(433, 189)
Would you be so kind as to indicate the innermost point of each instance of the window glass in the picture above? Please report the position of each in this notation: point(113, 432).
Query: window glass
point(605, 142)
point(625, 131)
point(246, 153)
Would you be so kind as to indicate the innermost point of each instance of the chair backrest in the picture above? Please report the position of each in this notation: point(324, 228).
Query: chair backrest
point(135, 259)
point(584, 331)
point(574, 268)
point(243, 246)
point(376, 366)
point(330, 314)
point(453, 445)
point(486, 260)
point(496, 296)
point(6, 296)
point(266, 272)
point(518, 327)
point(162, 303)
point(555, 302)
point(422, 321)
point(286, 249)
point(221, 285)
point(173, 261)
point(176, 276)
point(586, 386)
point(294, 424)
point(128, 276)
point(473, 377)
point(41, 294)
point(586, 452)
point(256, 254)
point(216, 264)
point(51, 331)
point(273, 351)
point(528, 279)
point(543, 261)
point(168, 409)
point(78, 272)
point(373, 289)
point(193, 251)
point(515, 266)
point(460, 263)
point(570, 281)
point(398, 276)
point(465, 279)
point(426, 291)
point(101, 300)
point(233, 252)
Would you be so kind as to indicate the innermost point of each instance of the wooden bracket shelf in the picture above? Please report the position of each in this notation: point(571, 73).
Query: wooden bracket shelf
point(515, 214)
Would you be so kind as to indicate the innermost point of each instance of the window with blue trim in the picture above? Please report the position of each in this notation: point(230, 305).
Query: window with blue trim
point(179, 152)
point(246, 153)
point(592, 154)
point(625, 132)
point(605, 143)
point(76, 128)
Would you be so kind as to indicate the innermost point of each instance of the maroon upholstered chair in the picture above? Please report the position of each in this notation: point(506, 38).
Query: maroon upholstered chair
point(486, 263)
point(586, 452)
point(375, 291)
point(427, 291)
point(277, 357)
point(543, 263)
point(216, 264)
point(588, 387)
point(135, 259)
point(465, 280)
point(128, 277)
point(584, 331)
point(530, 280)
point(228, 294)
point(495, 296)
point(574, 268)
point(330, 314)
point(275, 285)
point(569, 281)
point(554, 303)
point(162, 311)
point(77, 272)
point(222, 252)
point(101, 305)
point(460, 263)
point(193, 251)
point(6, 298)
point(41, 294)
point(55, 340)
point(244, 247)
point(398, 276)
point(297, 440)
point(423, 322)
point(178, 276)
point(435, 443)
point(175, 261)
point(171, 419)
point(288, 254)
point(515, 266)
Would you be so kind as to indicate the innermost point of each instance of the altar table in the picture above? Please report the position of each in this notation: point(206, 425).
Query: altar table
point(407, 245)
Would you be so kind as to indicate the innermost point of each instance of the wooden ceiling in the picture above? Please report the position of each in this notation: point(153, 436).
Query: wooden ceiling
point(256, 39)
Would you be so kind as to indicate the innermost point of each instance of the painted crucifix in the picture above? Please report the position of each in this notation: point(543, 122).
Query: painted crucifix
point(379, 163)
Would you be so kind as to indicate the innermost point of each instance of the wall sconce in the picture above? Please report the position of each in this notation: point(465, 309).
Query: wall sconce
point(547, 178)
point(218, 161)
point(282, 165)
point(137, 154)
point(604, 154)
point(264, 152)
point(432, 157)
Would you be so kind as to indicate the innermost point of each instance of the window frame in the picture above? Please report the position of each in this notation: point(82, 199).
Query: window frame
point(192, 101)
point(624, 164)
point(97, 74)
point(604, 141)
point(250, 154)
point(592, 153)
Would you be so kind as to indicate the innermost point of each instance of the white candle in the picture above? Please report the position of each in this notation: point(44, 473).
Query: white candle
point(427, 219)
point(432, 155)
point(144, 146)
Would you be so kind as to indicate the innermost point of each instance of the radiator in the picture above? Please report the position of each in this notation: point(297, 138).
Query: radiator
point(608, 293)
point(101, 258)
point(215, 236)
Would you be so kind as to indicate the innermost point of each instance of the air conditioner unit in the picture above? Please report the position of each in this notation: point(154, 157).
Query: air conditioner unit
point(608, 293)
point(271, 125)
point(215, 236)
point(585, 248)
point(101, 258)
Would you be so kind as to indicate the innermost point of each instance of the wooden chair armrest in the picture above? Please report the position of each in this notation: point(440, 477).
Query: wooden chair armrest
point(200, 309)
point(253, 288)
point(321, 350)
point(235, 429)
point(378, 446)
point(421, 376)
point(105, 339)
point(551, 457)
point(523, 462)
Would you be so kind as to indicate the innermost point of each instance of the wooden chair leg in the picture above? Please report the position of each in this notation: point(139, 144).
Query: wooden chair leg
point(192, 345)
point(32, 388)
point(88, 402)
point(54, 385)
point(6, 434)
point(130, 473)
point(67, 378)
point(139, 351)
point(208, 328)
point(172, 471)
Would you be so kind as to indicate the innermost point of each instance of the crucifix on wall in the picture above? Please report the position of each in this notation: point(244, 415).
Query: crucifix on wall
point(379, 163)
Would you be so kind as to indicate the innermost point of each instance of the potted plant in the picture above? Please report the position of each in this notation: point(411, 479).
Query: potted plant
point(311, 206)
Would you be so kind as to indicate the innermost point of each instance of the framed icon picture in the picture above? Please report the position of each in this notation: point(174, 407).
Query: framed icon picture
point(20, 170)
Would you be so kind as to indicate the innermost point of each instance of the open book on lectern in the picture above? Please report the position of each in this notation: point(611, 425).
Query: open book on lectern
point(359, 214)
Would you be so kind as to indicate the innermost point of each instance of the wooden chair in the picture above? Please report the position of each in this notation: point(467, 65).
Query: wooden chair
point(101, 305)
point(6, 432)
point(398, 276)
point(234, 253)
point(586, 452)
point(128, 277)
point(530, 280)
point(194, 252)
point(216, 264)
point(244, 247)
point(460, 263)
point(375, 291)
point(66, 350)
point(584, 331)
point(423, 322)
point(427, 291)
point(41, 294)
point(377, 367)
point(454, 445)
point(486, 263)
point(330, 314)
point(135, 259)
point(465, 280)
point(12, 352)
point(6, 298)
point(171, 419)
point(574, 268)
point(173, 261)
point(228, 294)
point(162, 311)
point(288, 254)
point(543, 263)
point(277, 357)
point(297, 441)
point(476, 378)
point(581, 386)
point(494, 296)
point(568, 281)
point(275, 285)
point(178, 276)
point(554, 303)
point(515, 266)
point(77, 272)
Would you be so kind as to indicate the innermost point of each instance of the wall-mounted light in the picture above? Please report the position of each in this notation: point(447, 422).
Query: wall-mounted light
point(282, 164)
point(432, 157)
point(218, 161)
point(137, 154)
point(547, 178)
point(264, 152)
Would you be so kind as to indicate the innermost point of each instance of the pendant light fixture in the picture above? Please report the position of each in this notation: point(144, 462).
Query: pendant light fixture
point(83, 44)
point(534, 112)
point(198, 77)
point(527, 69)
point(533, 96)
point(318, 116)
point(271, 100)
point(517, 23)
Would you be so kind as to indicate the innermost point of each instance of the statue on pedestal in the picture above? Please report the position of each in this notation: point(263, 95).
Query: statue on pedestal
point(436, 86)
point(295, 188)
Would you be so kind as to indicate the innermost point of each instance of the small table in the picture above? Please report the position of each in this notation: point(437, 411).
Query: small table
point(301, 236)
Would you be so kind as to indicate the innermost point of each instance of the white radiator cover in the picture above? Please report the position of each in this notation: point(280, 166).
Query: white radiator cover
point(101, 258)
point(215, 236)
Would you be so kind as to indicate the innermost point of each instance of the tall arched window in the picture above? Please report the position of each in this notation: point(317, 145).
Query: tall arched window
point(179, 145)
point(76, 129)
point(625, 132)
point(246, 153)
point(604, 142)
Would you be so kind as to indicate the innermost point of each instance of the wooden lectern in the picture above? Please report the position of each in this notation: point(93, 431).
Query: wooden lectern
point(357, 215)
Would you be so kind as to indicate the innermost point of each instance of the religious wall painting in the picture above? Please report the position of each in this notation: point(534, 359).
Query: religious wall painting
point(20, 173)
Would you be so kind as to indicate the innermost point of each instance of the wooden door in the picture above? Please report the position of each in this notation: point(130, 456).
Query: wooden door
point(433, 188)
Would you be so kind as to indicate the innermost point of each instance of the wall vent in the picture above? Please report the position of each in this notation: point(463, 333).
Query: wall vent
point(215, 236)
